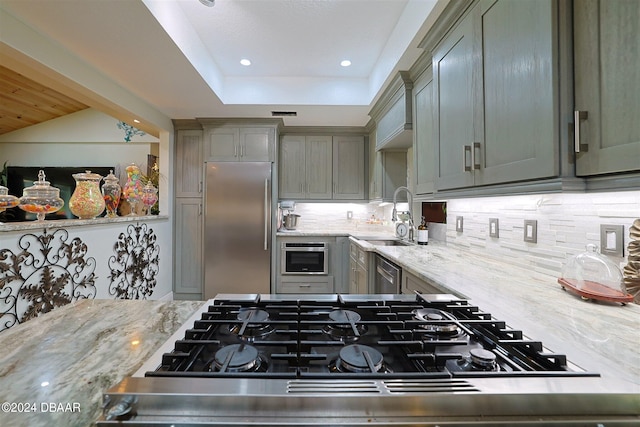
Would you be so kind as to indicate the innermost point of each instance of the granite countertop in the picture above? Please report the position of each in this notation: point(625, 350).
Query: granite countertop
point(597, 336)
point(66, 223)
point(70, 356)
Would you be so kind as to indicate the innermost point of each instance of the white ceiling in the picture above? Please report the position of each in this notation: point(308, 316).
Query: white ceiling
point(183, 57)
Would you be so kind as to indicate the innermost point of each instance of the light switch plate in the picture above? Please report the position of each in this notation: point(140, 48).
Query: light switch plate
point(531, 230)
point(494, 230)
point(611, 239)
point(459, 224)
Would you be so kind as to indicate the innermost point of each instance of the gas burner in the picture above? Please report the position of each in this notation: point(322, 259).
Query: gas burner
point(345, 327)
point(439, 324)
point(359, 358)
point(479, 360)
point(238, 358)
point(253, 324)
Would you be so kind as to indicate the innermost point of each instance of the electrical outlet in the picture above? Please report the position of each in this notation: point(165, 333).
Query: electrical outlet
point(531, 230)
point(494, 230)
point(349, 214)
point(611, 237)
point(459, 224)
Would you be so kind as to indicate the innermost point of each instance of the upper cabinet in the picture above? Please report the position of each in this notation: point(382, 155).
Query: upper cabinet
point(239, 143)
point(189, 165)
point(423, 134)
point(305, 166)
point(322, 167)
point(495, 91)
point(348, 167)
point(393, 115)
point(606, 76)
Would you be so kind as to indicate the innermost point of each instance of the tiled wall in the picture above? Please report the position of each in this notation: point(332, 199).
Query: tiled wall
point(566, 223)
point(367, 217)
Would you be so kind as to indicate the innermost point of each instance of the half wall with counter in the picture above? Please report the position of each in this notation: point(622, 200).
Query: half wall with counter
point(45, 265)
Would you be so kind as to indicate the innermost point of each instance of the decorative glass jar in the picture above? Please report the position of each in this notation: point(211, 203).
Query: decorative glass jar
point(149, 196)
point(111, 191)
point(7, 201)
point(132, 190)
point(41, 198)
point(86, 202)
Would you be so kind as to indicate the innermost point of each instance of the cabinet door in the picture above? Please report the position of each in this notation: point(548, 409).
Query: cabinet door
point(353, 276)
point(189, 164)
point(375, 169)
point(423, 147)
point(411, 283)
point(256, 144)
point(188, 248)
point(348, 167)
point(318, 163)
point(292, 167)
point(519, 130)
point(607, 73)
point(222, 144)
point(454, 88)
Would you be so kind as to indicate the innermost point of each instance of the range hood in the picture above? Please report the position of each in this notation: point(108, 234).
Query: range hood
point(393, 115)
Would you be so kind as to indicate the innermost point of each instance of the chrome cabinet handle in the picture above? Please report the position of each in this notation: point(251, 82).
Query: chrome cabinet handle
point(578, 116)
point(235, 150)
point(475, 158)
point(467, 153)
point(386, 275)
point(305, 285)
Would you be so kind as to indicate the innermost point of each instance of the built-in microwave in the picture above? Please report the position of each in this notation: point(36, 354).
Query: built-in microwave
point(305, 258)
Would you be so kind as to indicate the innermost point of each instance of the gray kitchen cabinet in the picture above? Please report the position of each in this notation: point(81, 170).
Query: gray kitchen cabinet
point(495, 88)
point(188, 280)
point(606, 77)
point(424, 137)
point(393, 114)
point(189, 164)
point(305, 166)
point(387, 171)
point(412, 284)
point(348, 167)
point(358, 270)
point(239, 144)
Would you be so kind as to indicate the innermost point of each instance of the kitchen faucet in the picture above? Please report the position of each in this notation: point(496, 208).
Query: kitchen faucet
point(394, 213)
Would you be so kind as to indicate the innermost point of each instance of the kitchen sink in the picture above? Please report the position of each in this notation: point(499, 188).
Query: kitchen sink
point(388, 242)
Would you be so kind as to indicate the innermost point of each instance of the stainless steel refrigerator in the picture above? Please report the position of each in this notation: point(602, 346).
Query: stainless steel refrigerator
point(237, 227)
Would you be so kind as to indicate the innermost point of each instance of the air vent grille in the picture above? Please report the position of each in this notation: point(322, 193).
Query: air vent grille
point(326, 387)
point(429, 386)
point(284, 113)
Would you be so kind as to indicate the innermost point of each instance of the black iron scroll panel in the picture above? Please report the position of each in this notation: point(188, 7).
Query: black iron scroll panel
point(48, 272)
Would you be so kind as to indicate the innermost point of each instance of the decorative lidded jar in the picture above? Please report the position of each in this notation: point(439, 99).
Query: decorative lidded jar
point(149, 196)
point(87, 202)
point(7, 201)
point(111, 191)
point(132, 190)
point(41, 198)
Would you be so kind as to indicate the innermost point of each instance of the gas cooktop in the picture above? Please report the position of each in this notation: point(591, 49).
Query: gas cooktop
point(366, 336)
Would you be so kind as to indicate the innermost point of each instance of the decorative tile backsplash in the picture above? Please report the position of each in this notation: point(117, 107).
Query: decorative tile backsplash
point(564, 224)
point(346, 217)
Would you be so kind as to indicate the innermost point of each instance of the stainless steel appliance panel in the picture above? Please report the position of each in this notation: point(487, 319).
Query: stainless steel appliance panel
point(387, 278)
point(237, 226)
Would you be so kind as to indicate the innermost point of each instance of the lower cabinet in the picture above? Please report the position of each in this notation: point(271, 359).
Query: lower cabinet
point(188, 278)
point(358, 270)
point(305, 285)
point(411, 284)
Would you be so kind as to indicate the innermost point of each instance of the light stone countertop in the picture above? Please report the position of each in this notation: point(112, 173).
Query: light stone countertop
point(73, 354)
point(67, 223)
point(597, 336)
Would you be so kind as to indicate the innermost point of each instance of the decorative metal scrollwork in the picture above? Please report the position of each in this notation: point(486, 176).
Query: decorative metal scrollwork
point(47, 273)
point(135, 265)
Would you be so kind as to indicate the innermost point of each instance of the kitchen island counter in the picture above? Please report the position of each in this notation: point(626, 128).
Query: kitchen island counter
point(55, 368)
point(599, 337)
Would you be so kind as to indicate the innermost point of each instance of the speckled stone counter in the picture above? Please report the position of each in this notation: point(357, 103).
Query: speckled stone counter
point(599, 337)
point(58, 365)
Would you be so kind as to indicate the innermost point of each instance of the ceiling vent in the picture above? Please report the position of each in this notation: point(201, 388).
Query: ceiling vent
point(284, 113)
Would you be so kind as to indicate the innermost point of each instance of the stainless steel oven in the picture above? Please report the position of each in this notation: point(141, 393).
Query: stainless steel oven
point(305, 258)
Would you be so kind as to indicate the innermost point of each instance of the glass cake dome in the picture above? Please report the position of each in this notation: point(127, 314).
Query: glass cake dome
point(594, 276)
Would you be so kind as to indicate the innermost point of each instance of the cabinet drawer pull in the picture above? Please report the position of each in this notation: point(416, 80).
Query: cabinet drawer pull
point(307, 285)
point(235, 150)
point(467, 155)
point(578, 116)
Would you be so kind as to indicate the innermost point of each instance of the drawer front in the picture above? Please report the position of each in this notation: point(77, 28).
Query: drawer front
point(353, 251)
point(362, 258)
point(305, 285)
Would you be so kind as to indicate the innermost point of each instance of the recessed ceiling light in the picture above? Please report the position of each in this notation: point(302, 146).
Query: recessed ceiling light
point(136, 121)
point(245, 62)
point(345, 63)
